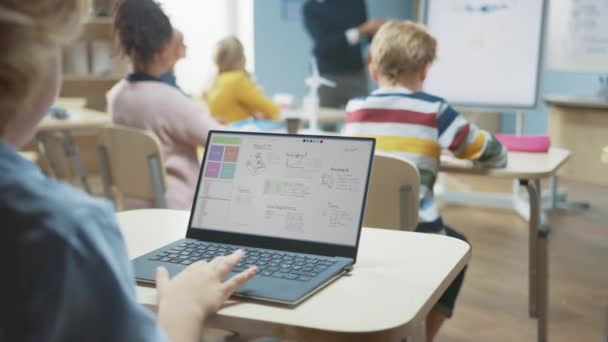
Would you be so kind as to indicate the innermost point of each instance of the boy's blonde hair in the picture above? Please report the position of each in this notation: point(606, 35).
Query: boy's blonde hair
point(29, 32)
point(401, 49)
point(229, 54)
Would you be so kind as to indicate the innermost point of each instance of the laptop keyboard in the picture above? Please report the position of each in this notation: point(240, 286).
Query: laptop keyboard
point(270, 263)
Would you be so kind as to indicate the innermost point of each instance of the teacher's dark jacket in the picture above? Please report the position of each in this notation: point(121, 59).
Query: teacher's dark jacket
point(327, 22)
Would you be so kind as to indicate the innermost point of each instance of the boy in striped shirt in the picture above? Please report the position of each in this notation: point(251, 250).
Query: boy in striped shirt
point(411, 124)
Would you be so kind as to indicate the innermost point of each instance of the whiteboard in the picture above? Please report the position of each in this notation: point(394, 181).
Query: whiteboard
point(489, 52)
point(578, 35)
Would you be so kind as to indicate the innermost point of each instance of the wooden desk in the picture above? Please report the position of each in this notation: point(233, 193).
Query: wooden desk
point(71, 102)
point(395, 283)
point(327, 116)
point(528, 169)
point(580, 124)
point(79, 120)
point(521, 165)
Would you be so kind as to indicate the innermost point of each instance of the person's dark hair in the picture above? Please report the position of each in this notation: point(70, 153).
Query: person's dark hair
point(143, 29)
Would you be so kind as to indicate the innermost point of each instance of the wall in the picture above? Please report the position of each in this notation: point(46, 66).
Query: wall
point(283, 49)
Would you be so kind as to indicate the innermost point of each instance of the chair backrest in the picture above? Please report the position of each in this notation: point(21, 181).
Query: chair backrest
point(55, 161)
point(131, 162)
point(392, 198)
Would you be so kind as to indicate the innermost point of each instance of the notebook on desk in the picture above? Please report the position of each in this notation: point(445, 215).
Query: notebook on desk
point(294, 203)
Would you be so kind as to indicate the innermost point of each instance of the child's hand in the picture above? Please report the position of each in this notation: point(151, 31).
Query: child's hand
point(196, 293)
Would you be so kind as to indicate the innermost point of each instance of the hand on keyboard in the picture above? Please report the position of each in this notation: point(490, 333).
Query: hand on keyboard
point(197, 292)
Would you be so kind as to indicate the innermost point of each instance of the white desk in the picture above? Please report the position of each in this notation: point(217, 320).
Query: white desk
point(528, 169)
point(79, 120)
point(396, 281)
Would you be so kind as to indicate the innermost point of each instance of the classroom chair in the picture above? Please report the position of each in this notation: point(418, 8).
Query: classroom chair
point(131, 164)
point(54, 160)
point(392, 197)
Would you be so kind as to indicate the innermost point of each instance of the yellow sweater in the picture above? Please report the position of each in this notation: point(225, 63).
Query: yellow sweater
point(234, 97)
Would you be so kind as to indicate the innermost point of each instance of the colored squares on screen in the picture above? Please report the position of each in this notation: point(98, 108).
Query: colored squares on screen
point(216, 153)
point(212, 170)
point(227, 171)
point(231, 154)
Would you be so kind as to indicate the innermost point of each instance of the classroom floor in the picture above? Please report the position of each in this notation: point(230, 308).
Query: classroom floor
point(493, 302)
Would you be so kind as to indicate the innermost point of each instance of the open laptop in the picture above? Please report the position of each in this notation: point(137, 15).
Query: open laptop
point(294, 203)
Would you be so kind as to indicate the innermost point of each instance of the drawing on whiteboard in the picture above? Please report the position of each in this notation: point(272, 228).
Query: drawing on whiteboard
point(483, 51)
point(338, 217)
point(587, 18)
point(212, 211)
point(215, 189)
point(327, 180)
point(485, 6)
point(292, 218)
point(296, 160)
point(302, 165)
point(286, 188)
point(344, 180)
point(243, 195)
point(578, 35)
point(294, 222)
point(255, 164)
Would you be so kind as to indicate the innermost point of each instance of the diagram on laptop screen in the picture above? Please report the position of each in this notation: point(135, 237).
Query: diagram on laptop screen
point(286, 187)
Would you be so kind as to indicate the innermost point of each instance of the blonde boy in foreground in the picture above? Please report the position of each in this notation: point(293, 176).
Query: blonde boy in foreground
point(411, 124)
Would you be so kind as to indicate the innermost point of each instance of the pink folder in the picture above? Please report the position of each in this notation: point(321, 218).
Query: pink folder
point(525, 143)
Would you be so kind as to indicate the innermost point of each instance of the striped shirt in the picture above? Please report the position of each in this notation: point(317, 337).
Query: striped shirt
point(416, 126)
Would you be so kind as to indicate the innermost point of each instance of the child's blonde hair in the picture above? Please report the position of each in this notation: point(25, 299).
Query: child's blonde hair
point(401, 49)
point(229, 54)
point(29, 32)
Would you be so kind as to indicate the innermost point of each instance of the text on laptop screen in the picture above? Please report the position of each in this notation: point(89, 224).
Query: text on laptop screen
point(287, 187)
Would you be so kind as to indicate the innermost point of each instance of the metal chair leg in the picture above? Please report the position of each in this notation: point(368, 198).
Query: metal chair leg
point(159, 186)
point(106, 175)
point(538, 259)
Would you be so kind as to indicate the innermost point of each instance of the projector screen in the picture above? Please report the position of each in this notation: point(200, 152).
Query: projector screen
point(489, 52)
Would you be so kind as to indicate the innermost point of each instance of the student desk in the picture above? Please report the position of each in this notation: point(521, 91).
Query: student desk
point(396, 281)
point(79, 120)
point(528, 169)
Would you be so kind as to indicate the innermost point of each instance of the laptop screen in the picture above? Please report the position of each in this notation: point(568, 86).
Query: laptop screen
point(282, 186)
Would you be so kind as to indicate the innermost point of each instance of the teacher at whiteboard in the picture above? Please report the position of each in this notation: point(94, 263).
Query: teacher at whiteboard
point(337, 28)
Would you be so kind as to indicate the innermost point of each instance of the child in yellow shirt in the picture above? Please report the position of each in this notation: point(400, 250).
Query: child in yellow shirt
point(234, 96)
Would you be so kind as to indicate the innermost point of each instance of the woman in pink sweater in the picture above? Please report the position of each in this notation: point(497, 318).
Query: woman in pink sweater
point(143, 101)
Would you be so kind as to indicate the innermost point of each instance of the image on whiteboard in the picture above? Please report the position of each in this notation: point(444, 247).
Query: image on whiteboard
point(481, 64)
point(256, 164)
point(578, 35)
point(286, 188)
point(338, 217)
point(327, 180)
point(484, 7)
